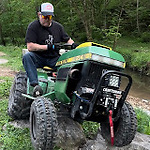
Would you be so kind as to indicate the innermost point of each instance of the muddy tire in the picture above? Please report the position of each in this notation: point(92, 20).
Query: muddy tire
point(124, 128)
point(19, 106)
point(43, 124)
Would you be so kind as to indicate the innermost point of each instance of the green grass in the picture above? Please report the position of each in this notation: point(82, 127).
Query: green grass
point(136, 54)
point(143, 121)
point(5, 84)
point(12, 138)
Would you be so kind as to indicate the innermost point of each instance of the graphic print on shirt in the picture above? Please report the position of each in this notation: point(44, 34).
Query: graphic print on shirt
point(49, 40)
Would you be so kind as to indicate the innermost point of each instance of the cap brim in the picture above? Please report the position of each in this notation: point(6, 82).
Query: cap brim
point(47, 13)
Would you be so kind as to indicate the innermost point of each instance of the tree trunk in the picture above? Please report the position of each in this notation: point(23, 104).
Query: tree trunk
point(1, 36)
point(84, 16)
point(137, 16)
point(119, 20)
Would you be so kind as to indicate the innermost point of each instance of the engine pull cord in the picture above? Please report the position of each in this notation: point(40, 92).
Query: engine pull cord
point(111, 127)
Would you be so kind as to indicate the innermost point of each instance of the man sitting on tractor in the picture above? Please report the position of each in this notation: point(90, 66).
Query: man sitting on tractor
point(41, 36)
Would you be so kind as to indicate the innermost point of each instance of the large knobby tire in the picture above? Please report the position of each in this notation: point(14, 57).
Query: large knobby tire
point(43, 124)
point(133, 123)
point(124, 129)
point(19, 106)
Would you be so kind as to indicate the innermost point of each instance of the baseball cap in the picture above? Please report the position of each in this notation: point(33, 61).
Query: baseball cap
point(47, 9)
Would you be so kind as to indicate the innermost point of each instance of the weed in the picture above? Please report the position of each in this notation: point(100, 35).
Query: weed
point(90, 128)
point(143, 121)
point(5, 84)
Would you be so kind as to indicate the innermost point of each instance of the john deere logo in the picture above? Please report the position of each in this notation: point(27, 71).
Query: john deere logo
point(74, 59)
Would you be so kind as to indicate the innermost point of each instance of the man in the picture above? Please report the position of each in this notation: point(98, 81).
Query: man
point(40, 38)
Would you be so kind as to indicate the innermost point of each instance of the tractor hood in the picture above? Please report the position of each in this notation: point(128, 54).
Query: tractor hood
point(94, 52)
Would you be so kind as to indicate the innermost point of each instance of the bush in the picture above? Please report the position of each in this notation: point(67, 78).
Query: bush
point(139, 61)
point(143, 121)
point(145, 37)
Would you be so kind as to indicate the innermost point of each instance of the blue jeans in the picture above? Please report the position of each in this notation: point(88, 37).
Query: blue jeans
point(32, 61)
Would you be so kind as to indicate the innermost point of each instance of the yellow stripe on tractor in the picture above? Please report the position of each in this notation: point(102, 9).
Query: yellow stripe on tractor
point(87, 44)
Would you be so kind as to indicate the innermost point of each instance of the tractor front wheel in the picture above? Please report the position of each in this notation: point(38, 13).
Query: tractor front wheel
point(124, 128)
point(43, 124)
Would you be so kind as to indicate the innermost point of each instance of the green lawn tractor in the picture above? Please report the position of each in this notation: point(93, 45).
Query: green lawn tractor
point(89, 84)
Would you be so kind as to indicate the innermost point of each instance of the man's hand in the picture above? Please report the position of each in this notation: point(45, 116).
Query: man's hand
point(74, 45)
point(56, 47)
point(50, 47)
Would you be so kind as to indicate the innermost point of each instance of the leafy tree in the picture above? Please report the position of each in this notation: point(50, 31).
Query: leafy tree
point(84, 20)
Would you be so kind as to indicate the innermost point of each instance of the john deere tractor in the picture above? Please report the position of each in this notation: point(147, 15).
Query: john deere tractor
point(89, 84)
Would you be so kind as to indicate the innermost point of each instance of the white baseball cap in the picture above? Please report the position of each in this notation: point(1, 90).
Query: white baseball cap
point(47, 9)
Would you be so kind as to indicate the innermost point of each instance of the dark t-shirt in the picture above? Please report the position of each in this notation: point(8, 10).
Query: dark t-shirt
point(39, 34)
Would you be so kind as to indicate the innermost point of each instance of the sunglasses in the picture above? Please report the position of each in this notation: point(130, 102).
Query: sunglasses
point(45, 17)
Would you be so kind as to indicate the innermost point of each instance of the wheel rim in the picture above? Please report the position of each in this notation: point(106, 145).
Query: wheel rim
point(34, 127)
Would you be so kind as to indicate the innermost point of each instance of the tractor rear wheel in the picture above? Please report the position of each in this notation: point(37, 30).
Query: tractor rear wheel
point(124, 129)
point(43, 124)
point(19, 106)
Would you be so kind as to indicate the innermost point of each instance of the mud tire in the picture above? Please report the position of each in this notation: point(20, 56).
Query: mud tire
point(19, 106)
point(43, 124)
point(124, 129)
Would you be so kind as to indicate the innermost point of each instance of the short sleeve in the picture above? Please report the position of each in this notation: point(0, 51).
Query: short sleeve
point(31, 34)
point(64, 37)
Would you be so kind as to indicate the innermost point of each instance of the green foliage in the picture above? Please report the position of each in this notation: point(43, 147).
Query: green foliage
point(80, 18)
point(143, 121)
point(145, 37)
point(139, 61)
point(111, 34)
point(90, 128)
point(136, 54)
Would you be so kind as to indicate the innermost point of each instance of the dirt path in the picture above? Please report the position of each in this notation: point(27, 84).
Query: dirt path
point(6, 72)
point(140, 103)
point(3, 70)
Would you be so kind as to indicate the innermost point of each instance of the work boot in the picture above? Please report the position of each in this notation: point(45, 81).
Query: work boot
point(37, 91)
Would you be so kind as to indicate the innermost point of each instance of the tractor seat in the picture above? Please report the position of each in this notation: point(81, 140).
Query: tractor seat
point(46, 68)
point(50, 71)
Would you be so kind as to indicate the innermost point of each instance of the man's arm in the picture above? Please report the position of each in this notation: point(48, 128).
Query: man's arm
point(36, 47)
point(70, 41)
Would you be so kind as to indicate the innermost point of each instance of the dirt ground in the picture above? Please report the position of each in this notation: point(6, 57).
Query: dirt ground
point(6, 72)
point(140, 103)
point(3, 70)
